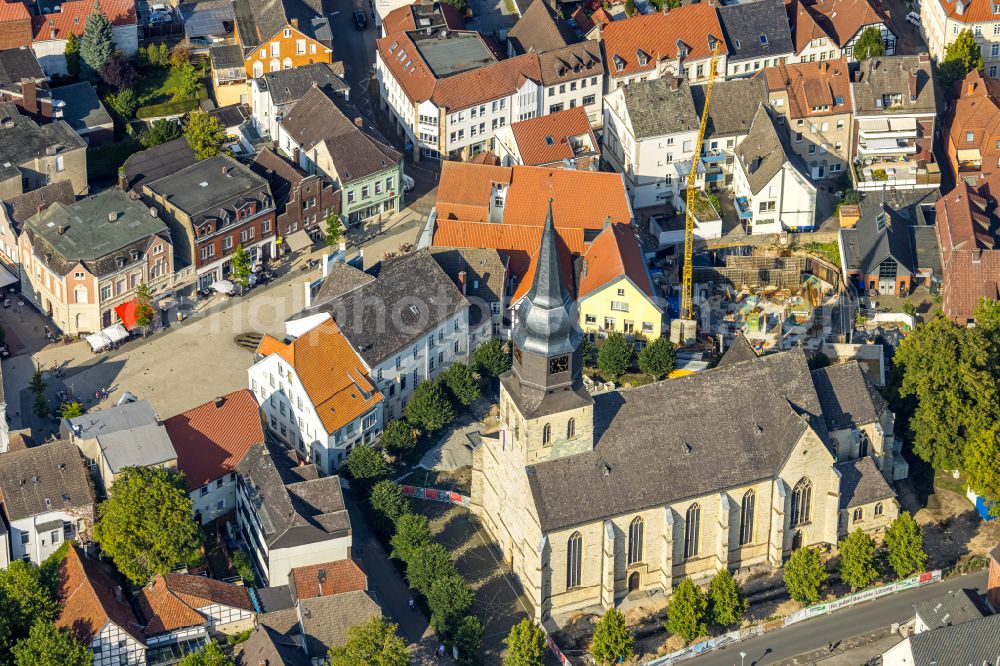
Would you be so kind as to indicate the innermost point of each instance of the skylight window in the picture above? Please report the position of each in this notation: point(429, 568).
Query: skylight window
point(880, 221)
point(549, 140)
point(763, 40)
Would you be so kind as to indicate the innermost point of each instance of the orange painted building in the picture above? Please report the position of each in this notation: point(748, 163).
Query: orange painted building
point(282, 34)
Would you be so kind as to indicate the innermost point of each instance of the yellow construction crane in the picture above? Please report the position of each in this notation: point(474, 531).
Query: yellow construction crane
point(687, 288)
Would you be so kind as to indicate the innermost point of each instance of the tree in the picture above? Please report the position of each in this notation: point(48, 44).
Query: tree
point(615, 356)
point(909, 308)
point(857, 560)
point(525, 645)
point(162, 55)
point(449, 599)
point(965, 51)
point(160, 131)
point(47, 645)
point(375, 642)
point(398, 436)
point(32, 602)
point(429, 407)
point(70, 410)
point(461, 5)
point(145, 525)
point(904, 544)
point(630, 9)
point(461, 384)
point(118, 72)
point(726, 602)
point(38, 383)
point(179, 56)
point(869, 44)
point(657, 358)
point(950, 71)
point(687, 611)
point(804, 575)
point(428, 564)
point(950, 371)
point(241, 266)
point(143, 306)
point(41, 406)
point(412, 533)
point(366, 464)
point(210, 655)
point(333, 230)
point(982, 471)
point(204, 134)
point(186, 83)
point(612, 640)
point(73, 55)
point(123, 103)
point(468, 639)
point(387, 499)
point(97, 43)
point(491, 359)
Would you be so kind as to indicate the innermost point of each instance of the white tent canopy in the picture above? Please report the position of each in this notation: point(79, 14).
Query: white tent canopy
point(98, 341)
point(6, 278)
point(115, 333)
point(224, 286)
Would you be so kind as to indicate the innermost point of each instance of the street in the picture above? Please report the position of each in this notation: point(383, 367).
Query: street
point(808, 640)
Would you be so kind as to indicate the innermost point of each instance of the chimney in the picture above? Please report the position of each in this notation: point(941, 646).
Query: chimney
point(461, 282)
point(29, 99)
point(972, 88)
point(924, 57)
point(675, 83)
point(61, 230)
point(295, 156)
point(118, 594)
point(41, 207)
point(913, 86)
point(122, 180)
point(295, 23)
point(225, 169)
point(359, 121)
point(219, 400)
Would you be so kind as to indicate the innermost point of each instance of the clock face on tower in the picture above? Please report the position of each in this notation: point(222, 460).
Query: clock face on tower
point(559, 364)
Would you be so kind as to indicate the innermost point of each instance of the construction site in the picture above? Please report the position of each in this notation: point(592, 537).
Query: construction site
point(775, 301)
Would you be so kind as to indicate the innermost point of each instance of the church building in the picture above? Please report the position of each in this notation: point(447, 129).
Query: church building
point(595, 498)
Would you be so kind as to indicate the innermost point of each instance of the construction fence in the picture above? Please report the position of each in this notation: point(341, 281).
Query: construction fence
point(808, 613)
point(436, 495)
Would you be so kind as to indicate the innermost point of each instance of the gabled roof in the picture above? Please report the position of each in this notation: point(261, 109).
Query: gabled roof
point(257, 21)
point(814, 89)
point(83, 109)
point(539, 30)
point(325, 620)
point(267, 646)
point(485, 276)
point(735, 116)
point(18, 64)
point(907, 76)
point(973, 121)
point(44, 478)
point(22, 207)
point(951, 608)
point(861, 483)
point(651, 38)
point(211, 439)
point(756, 30)
point(129, 435)
point(153, 163)
point(327, 578)
point(659, 107)
point(174, 601)
point(421, 16)
point(287, 86)
point(72, 17)
point(573, 62)
point(545, 140)
point(881, 233)
point(968, 11)
point(765, 150)
point(803, 25)
point(341, 278)
point(90, 598)
point(740, 350)
point(614, 254)
point(847, 397)
point(843, 19)
point(960, 645)
point(188, 189)
point(332, 374)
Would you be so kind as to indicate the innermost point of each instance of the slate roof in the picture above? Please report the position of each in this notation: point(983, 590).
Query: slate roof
point(868, 245)
point(201, 191)
point(356, 152)
point(847, 397)
point(325, 620)
point(573, 62)
point(658, 107)
point(274, 599)
point(44, 478)
point(734, 117)
point(341, 279)
point(287, 86)
point(129, 435)
point(324, 579)
point(24, 139)
point(267, 646)
point(228, 56)
point(485, 274)
point(153, 163)
point(17, 64)
point(767, 404)
point(861, 483)
point(83, 110)
point(740, 350)
point(906, 75)
point(765, 151)
point(257, 21)
point(211, 439)
point(755, 30)
point(90, 598)
point(540, 30)
point(293, 512)
point(413, 279)
point(967, 643)
point(210, 18)
point(22, 207)
point(951, 608)
point(231, 115)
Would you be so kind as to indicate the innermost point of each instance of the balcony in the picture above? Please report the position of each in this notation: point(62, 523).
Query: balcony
point(713, 156)
point(887, 146)
point(743, 209)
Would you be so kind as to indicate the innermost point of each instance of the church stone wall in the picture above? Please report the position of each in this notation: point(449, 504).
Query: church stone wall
point(811, 459)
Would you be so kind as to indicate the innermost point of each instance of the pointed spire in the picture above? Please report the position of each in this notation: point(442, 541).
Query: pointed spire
point(547, 289)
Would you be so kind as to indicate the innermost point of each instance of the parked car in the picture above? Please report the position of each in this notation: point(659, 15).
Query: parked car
point(360, 22)
point(160, 19)
point(913, 18)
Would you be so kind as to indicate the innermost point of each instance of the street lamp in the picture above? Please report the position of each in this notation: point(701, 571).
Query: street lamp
point(743, 655)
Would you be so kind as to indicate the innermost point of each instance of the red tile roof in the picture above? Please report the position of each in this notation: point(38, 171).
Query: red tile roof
point(320, 580)
point(582, 20)
point(14, 11)
point(90, 599)
point(813, 85)
point(73, 17)
point(842, 19)
point(332, 374)
point(977, 113)
point(974, 11)
point(545, 140)
point(170, 601)
point(211, 440)
point(657, 34)
point(803, 24)
point(401, 19)
point(613, 254)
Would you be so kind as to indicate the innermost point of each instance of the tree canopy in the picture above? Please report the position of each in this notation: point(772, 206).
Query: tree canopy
point(210, 655)
point(387, 499)
point(492, 358)
point(657, 358)
point(146, 525)
point(412, 533)
point(72, 54)
point(857, 560)
point(241, 266)
point(47, 645)
point(805, 575)
point(429, 407)
point(461, 384)
point(160, 131)
point(398, 436)
point(981, 463)
point(366, 464)
point(426, 565)
point(97, 43)
point(966, 51)
point(449, 599)
point(904, 544)
point(615, 356)
point(869, 44)
point(525, 645)
point(726, 603)
point(612, 640)
point(333, 231)
point(686, 611)
point(375, 642)
point(204, 134)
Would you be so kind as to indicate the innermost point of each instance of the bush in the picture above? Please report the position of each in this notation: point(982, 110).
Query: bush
point(904, 544)
point(880, 175)
point(525, 645)
point(727, 604)
point(612, 642)
point(857, 560)
point(123, 103)
point(243, 566)
point(614, 358)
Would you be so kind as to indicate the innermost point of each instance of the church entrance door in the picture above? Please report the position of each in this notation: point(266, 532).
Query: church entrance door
point(633, 581)
point(797, 540)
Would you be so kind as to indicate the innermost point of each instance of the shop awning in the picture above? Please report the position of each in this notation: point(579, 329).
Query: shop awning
point(127, 312)
point(116, 333)
point(6, 277)
point(298, 240)
point(873, 125)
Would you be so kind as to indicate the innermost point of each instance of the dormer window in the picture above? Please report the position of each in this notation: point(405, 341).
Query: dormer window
point(134, 255)
point(996, 9)
point(619, 62)
point(763, 40)
point(642, 56)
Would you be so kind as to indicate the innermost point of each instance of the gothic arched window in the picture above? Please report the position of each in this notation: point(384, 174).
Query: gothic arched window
point(692, 530)
point(546, 435)
point(635, 536)
point(574, 560)
point(859, 515)
point(801, 502)
point(863, 444)
point(747, 507)
point(879, 509)
point(571, 429)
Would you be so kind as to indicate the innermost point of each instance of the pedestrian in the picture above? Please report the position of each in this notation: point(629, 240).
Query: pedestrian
point(829, 646)
point(413, 604)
